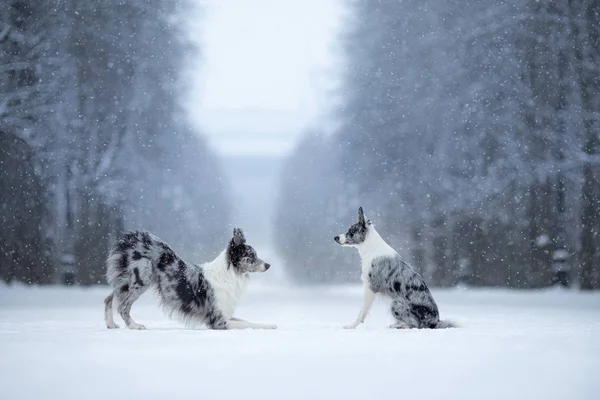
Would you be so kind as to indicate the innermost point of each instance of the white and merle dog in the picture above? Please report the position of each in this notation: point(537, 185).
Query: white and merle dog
point(384, 272)
point(198, 294)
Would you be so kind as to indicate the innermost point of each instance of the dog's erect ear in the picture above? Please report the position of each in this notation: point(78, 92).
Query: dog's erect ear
point(238, 237)
point(361, 216)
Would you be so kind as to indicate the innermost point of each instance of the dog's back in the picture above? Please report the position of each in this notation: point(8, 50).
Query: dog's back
point(131, 259)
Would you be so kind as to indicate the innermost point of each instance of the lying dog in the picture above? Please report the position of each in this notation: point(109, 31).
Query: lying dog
point(384, 272)
point(206, 293)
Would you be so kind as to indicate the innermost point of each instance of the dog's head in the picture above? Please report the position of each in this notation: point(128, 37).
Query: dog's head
point(357, 233)
point(243, 257)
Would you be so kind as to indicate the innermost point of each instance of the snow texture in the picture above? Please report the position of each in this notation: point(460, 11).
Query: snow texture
point(511, 345)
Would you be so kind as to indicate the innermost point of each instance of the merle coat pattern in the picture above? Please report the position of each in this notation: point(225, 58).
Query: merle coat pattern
point(385, 272)
point(198, 294)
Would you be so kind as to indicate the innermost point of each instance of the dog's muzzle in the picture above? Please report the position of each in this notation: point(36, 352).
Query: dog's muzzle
point(264, 266)
point(340, 239)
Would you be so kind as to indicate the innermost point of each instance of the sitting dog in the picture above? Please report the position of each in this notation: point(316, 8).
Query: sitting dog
point(206, 293)
point(384, 272)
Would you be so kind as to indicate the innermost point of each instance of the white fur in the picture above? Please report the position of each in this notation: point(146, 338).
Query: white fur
point(109, 319)
point(229, 286)
point(374, 246)
point(236, 323)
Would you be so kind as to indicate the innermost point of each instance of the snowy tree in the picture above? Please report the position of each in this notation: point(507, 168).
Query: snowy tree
point(462, 123)
point(24, 247)
point(91, 90)
point(24, 244)
point(585, 22)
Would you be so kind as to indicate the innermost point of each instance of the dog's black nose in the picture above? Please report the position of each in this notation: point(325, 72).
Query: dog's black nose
point(337, 239)
point(267, 266)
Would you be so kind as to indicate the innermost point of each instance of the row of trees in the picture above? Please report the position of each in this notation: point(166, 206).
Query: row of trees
point(93, 139)
point(470, 134)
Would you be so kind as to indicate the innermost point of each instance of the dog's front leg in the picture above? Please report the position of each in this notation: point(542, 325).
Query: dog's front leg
point(237, 323)
point(368, 298)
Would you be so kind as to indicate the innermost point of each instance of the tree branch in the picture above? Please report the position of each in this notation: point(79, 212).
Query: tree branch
point(4, 33)
point(110, 153)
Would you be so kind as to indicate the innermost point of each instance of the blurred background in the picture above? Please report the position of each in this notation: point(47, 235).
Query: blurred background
point(468, 130)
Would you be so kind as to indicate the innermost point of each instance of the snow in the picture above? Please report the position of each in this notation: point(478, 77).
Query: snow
point(511, 345)
point(542, 240)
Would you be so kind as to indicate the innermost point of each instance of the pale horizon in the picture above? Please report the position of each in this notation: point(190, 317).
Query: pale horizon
point(266, 72)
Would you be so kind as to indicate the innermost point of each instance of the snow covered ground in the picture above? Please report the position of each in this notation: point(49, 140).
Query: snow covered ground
point(512, 345)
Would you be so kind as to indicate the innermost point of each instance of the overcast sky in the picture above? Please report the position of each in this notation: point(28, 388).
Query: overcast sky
point(266, 68)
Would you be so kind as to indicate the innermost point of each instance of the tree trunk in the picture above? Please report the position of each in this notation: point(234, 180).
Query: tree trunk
point(440, 249)
point(418, 250)
point(590, 218)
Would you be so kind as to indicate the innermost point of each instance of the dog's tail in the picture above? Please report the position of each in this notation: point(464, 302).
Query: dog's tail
point(445, 324)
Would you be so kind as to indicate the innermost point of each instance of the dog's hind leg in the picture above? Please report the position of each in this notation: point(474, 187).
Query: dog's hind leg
point(108, 312)
point(405, 319)
point(126, 296)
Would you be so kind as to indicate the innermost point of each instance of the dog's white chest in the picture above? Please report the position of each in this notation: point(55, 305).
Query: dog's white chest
point(370, 253)
point(228, 288)
point(366, 265)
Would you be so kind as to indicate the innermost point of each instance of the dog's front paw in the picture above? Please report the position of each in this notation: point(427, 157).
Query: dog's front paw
point(351, 326)
point(270, 326)
point(112, 326)
point(137, 327)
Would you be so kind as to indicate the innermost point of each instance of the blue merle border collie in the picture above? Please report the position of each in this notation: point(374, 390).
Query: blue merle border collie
point(198, 294)
point(385, 273)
